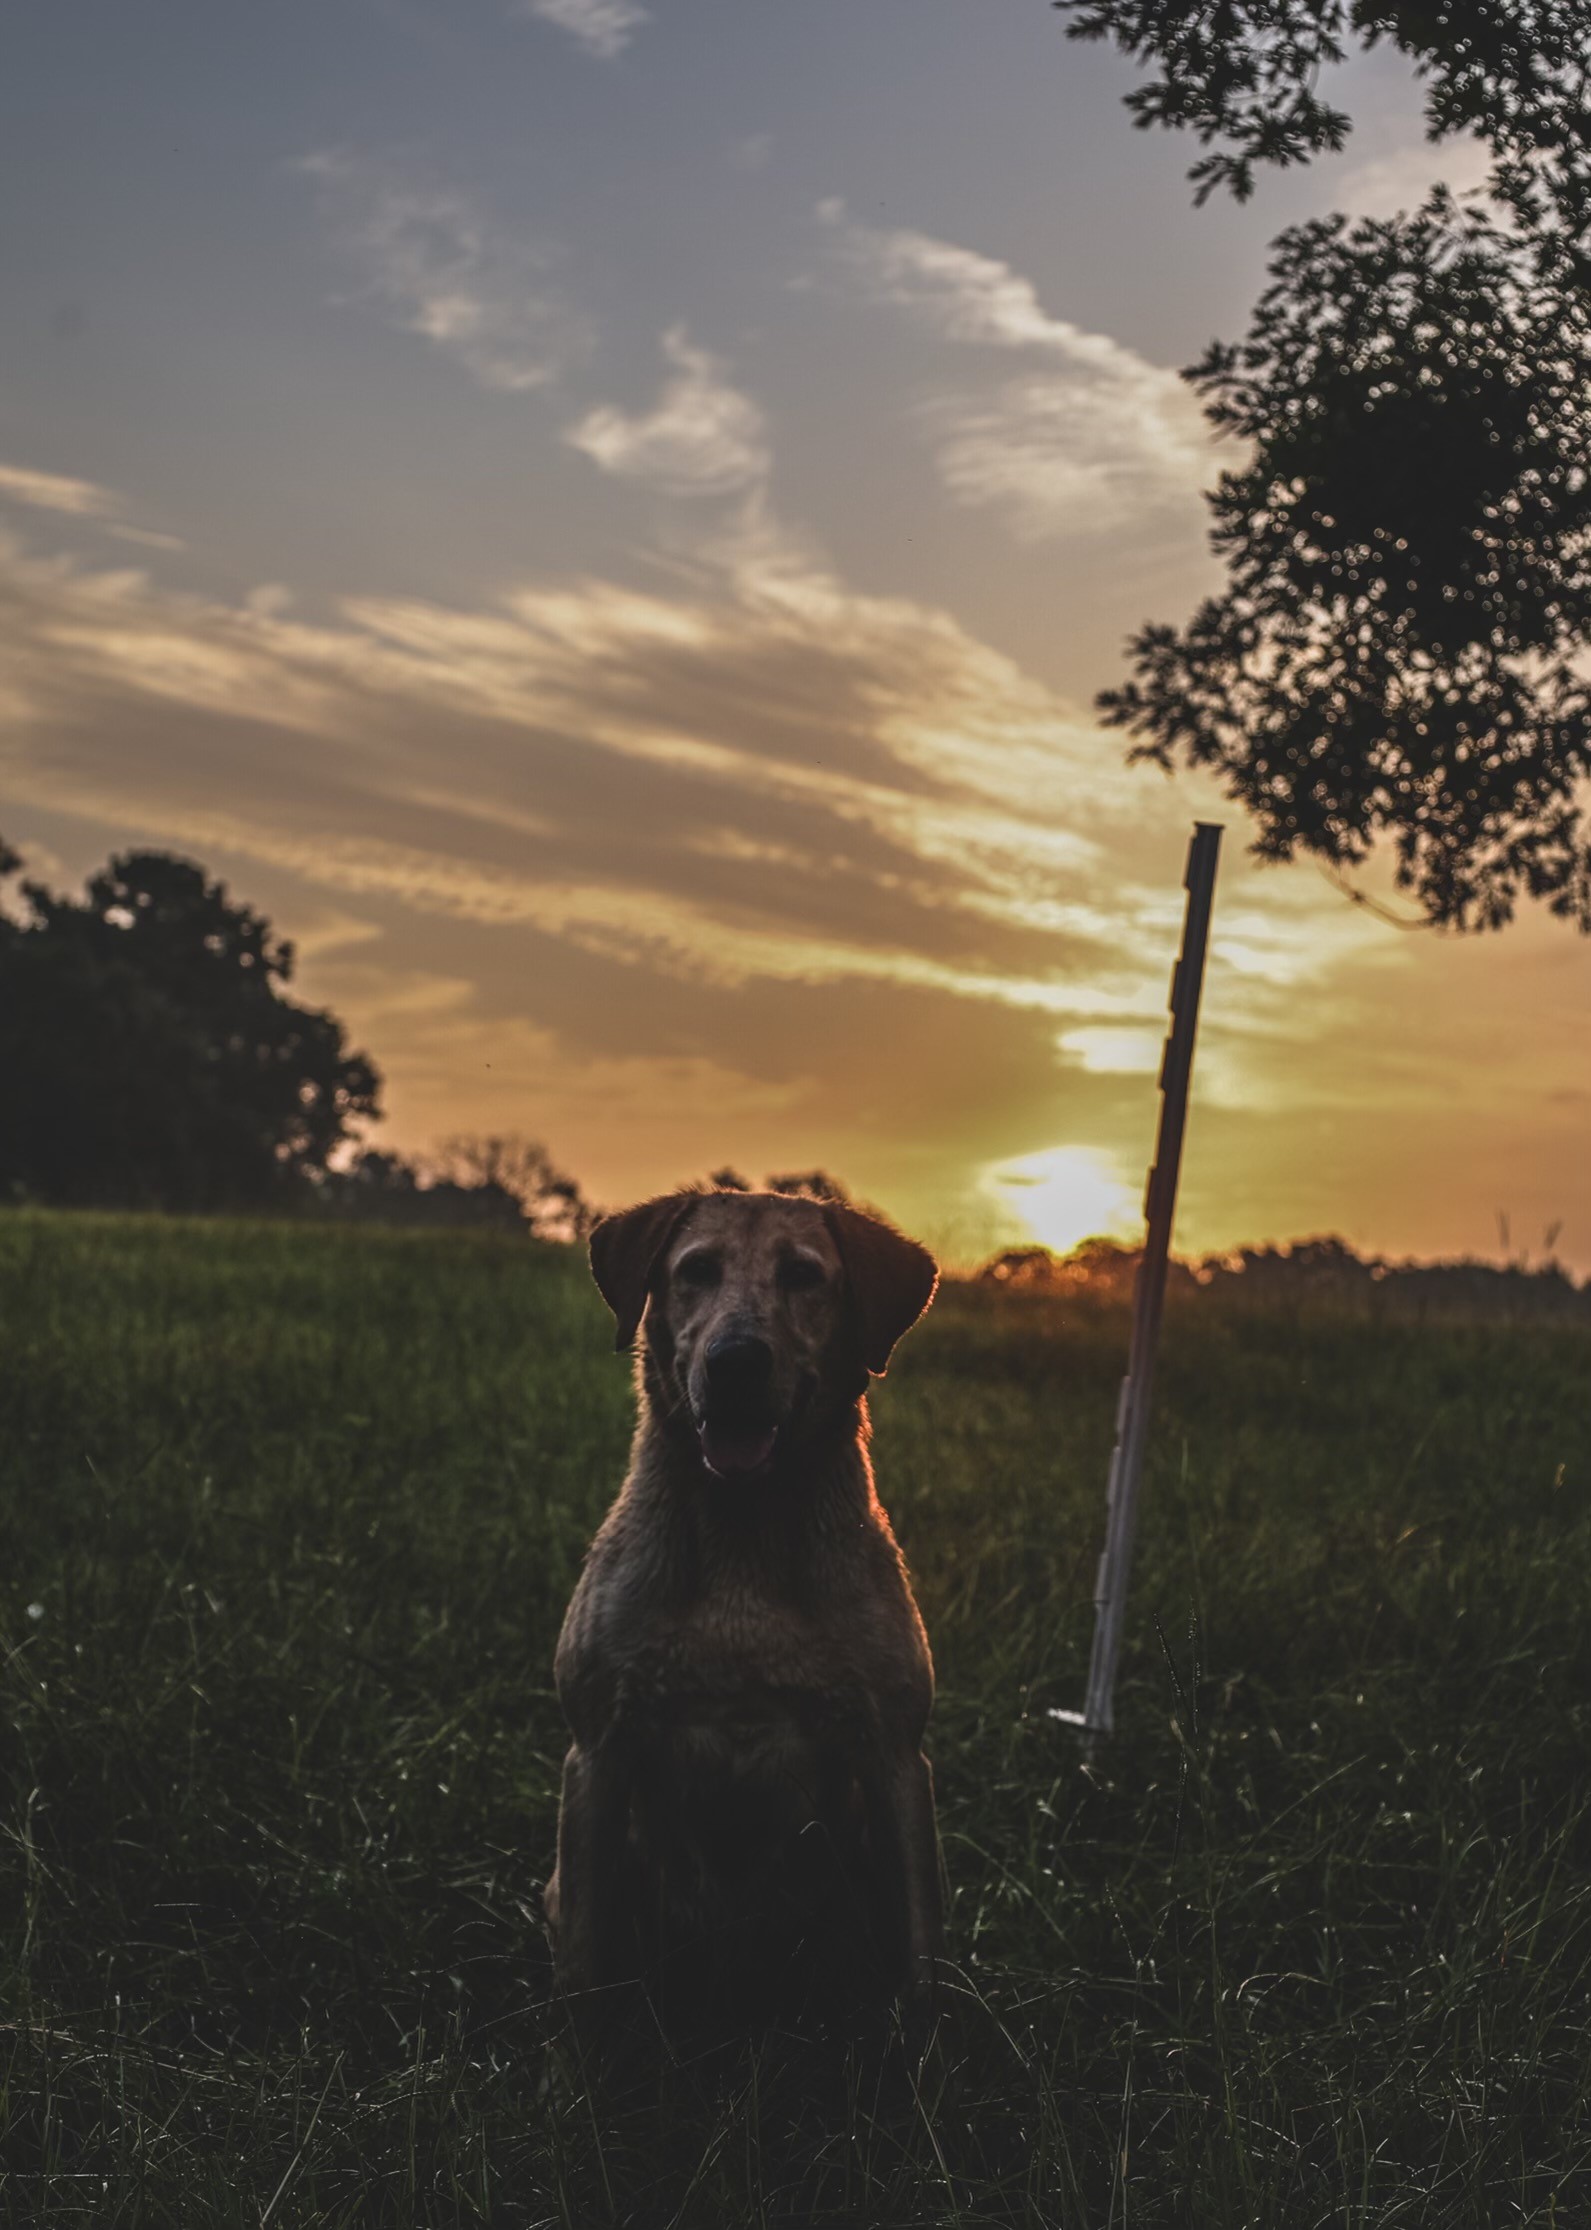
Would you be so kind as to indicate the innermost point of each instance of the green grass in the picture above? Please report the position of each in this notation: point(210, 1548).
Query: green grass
point(289, 1518)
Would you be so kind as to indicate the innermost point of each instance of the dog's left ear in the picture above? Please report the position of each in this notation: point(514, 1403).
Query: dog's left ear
point(892, 1280)
point(624, 1252)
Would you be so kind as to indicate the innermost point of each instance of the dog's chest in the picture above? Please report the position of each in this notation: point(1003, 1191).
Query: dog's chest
point(740, 1692)
point(778, 1747)
point(735, 1784)
point(738, 1664)
point(747, 1820)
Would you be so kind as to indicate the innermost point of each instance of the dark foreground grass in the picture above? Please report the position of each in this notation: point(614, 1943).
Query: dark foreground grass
point(289, 1520)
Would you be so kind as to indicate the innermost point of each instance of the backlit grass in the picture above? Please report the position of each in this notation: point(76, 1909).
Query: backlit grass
point(289, 1519)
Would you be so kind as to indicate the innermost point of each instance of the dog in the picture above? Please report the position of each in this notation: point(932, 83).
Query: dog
point(747, 1819)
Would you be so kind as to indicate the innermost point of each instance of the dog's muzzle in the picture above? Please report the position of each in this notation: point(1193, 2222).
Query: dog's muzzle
point(735, 1423)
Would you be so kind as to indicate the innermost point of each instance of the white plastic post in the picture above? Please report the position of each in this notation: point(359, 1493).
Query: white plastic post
point(1097, 1717)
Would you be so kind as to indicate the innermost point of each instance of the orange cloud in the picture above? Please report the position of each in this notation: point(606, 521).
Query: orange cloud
point(748, 866)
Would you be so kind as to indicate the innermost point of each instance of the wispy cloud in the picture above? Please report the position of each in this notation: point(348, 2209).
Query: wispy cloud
point(145, 538)
point(1072, 454)
point(54, 491)
point(432, 258)
point(1090, 440)
point(701, 437)
point(761, 775)
point(603, 27)
point(815, 785)
point(970, 297)
point(78, 499)
point(1401, 179)
point(630, 807)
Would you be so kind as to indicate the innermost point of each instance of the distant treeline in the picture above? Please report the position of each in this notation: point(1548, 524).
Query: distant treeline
point(150, 1057)
point(474, 1183)
point(1313, 1272)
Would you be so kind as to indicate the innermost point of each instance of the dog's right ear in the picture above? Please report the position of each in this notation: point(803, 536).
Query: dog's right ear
point(624, 1253)
point(892, 1280)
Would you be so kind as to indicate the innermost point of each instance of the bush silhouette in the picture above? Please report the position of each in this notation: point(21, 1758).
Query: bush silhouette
point(151, 1058)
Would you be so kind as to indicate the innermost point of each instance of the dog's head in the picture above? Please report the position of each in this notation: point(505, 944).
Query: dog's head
point(765, 1314)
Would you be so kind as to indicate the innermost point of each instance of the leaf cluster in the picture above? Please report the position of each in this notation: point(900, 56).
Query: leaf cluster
point(1401, 643)
point(522, 1173)
point(1244, 77)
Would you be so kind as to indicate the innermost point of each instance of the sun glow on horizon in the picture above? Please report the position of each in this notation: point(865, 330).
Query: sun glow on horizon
point(1067, 1193)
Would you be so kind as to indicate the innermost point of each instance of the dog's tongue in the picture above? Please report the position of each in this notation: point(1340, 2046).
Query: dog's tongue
point(732, 1451)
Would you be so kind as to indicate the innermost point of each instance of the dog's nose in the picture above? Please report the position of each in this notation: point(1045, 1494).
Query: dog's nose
point(739, 1364)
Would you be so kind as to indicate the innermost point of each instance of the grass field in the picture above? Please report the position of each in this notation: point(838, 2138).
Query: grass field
point(289, 1519)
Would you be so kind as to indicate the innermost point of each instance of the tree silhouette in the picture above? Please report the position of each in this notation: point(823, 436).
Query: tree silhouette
point(812, 1184)
point(1401, 648)
point(801, 1184)
point(522, 1173)
point(150, 1056)
point(1244, 77)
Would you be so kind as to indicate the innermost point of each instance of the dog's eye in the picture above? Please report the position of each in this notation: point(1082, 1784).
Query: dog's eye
point(798, 1273)
point(697, 1269)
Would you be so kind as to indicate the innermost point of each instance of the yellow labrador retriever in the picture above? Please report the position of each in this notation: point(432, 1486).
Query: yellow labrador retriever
point(747, 1820)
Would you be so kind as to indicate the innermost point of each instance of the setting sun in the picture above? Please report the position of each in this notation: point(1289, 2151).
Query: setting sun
point(1066, 1194)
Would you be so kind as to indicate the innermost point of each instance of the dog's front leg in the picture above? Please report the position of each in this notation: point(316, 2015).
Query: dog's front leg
point(587, 1899)
point(919, 1835)
point(904, 1818)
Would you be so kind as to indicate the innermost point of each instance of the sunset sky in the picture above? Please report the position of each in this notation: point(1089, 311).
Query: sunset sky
point(606, 521)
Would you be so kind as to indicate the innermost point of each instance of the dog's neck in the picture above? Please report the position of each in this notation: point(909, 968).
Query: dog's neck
point(815, 1496)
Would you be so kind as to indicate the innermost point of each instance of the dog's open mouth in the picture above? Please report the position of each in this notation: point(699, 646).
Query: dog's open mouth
point(736, 1447)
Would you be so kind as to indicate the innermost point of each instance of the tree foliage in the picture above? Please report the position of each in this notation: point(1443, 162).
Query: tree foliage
point(1244, 77)
point(521, 1172)
point(1403, 645)
point(149, 1054)
point(812, 1184)
point(800, 1184)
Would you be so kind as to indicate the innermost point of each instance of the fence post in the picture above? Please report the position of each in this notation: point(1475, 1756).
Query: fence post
point(1097, 1718)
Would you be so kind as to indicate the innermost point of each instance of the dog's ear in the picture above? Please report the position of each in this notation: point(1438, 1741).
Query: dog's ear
point(892, 1280)
point(624, 1253)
